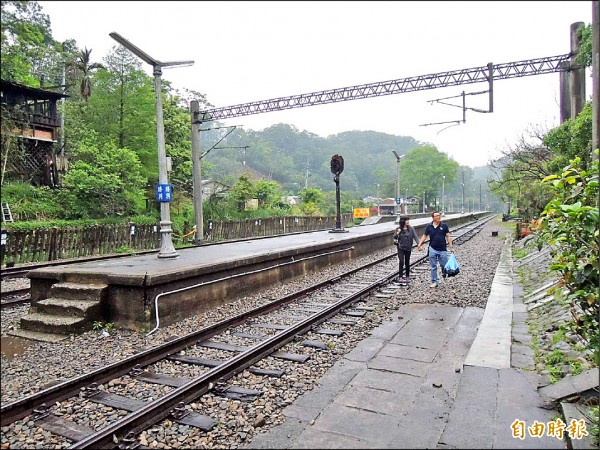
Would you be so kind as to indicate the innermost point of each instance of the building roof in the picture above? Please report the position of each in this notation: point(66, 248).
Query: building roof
point(8, 86)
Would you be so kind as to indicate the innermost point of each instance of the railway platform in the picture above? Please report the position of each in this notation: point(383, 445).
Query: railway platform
point(434, 376)
point(129, 291)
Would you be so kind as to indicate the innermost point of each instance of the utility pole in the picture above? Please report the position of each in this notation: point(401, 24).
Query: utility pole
point(307, 173)
point(197, 171)
point(480, 196)
point(397, 182)
point(577, 74)
point(443, 187)
point(164, 191)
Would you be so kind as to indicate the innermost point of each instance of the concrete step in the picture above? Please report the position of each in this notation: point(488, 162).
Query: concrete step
point(47, 323)
point(67, 307)
point(79, 291)
point(38, 336)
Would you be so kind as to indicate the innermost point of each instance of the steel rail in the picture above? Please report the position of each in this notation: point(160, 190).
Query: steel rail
point(24, 293)
point(18, 409)
point(163, 407)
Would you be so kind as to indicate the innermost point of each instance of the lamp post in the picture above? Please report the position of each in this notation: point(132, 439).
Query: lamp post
point(443, 186)
point(406, 201)
point(397, 181)
point(462, 204)
point(164, 191)
point(378, 212)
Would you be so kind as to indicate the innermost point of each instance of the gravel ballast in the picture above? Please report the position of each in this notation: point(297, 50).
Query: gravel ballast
point(44, 364)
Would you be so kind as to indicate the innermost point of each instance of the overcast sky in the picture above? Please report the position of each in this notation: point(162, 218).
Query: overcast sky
point(250, 51)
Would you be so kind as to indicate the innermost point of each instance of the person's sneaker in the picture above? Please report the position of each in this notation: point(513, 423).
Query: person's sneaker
point(432, 285)
point(407, 279)
point(402, 280)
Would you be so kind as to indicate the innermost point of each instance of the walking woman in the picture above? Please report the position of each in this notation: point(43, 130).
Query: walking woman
point(403, 238)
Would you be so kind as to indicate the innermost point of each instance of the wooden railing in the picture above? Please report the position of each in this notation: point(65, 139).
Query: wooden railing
point(51, 244)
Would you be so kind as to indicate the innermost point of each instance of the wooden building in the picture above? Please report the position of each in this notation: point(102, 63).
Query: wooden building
point(32, 116)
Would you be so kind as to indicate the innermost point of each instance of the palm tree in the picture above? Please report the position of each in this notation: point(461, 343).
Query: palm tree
point(86, 69)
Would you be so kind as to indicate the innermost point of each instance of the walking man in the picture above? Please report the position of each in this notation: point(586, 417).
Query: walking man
point(438, 233)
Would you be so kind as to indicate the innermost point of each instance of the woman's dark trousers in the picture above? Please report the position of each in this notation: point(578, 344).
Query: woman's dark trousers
point(403, 261)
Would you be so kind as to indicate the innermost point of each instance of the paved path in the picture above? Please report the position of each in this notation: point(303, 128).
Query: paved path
point(433, 377)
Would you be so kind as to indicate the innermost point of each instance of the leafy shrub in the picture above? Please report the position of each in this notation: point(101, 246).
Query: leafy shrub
point(28, 202)
point(569, 224)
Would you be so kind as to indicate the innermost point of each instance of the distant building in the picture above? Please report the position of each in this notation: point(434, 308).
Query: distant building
point(387, 206)
point(292, 200)
point(211, 188)
point(36, 126)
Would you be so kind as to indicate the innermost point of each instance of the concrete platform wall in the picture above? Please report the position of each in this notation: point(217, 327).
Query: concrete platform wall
point(193, 287)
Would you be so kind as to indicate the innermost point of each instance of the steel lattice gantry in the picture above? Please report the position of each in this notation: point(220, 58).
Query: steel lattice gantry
point(437, 80)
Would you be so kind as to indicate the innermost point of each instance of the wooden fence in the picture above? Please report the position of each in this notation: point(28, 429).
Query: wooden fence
point(50, 244)
point(273, 226)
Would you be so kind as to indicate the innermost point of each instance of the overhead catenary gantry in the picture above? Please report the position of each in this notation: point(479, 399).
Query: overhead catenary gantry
point(473, 75)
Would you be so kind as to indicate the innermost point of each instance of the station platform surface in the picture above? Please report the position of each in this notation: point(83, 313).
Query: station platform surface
point(149, 266)
point(417, 384)
point(126, 290)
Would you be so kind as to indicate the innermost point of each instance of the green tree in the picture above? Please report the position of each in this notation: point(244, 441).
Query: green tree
point(241, 192)
point(86, 68)
point(585, 54)
point(267, 193)
point(571, 139)
point(26, 41)
point(103, 181)
point(422, 170)
point(121, 112)
point(311, 198)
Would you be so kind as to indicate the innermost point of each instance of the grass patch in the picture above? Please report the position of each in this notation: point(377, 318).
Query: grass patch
point(519, 253)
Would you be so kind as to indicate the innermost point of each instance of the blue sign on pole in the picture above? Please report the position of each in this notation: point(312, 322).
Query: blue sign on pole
point(164, 193)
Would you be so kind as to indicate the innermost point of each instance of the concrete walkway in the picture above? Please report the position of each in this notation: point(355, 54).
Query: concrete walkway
point(432, 377)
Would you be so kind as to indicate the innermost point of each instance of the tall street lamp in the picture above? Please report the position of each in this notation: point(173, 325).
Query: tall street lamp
point(443, 186)
point(397, 181)
point(378, 212)
point(462, 205)
point(406, 201)
point(164, 191)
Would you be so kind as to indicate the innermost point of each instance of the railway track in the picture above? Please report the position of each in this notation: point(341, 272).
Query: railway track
point(15, 297)
point(299, 323)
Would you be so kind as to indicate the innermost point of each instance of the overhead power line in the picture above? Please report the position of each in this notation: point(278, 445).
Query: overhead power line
point(503, 71)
